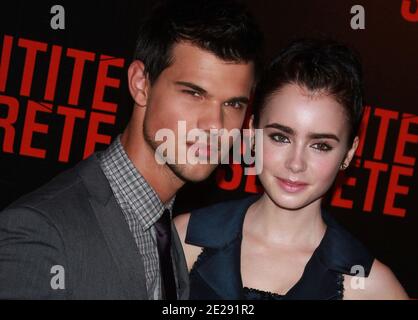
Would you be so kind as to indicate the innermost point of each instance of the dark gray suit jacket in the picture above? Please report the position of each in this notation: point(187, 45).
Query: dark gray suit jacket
point(74, 222)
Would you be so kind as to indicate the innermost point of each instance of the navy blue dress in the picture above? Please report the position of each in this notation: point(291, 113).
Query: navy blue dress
point(217, 272)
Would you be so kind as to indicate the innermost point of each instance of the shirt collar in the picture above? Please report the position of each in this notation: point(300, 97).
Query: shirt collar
point(132, 186)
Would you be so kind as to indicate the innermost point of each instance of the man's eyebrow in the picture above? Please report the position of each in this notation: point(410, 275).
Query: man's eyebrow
point(280, 127)
point(191, 86)
point(242, 99)
point(195, 87)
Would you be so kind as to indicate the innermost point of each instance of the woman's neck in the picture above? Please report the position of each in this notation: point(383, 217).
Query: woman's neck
point(279, 226)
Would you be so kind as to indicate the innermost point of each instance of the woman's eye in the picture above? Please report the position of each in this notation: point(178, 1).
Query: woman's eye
point(277, 137)
point(322, 146)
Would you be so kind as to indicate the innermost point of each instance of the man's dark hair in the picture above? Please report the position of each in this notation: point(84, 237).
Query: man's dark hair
point(318, 65)
point(222, 27)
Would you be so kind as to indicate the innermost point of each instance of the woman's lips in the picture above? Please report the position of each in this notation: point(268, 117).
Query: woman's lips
point(291, 186)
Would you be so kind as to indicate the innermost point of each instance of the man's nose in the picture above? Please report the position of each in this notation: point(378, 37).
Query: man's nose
point(212, 118)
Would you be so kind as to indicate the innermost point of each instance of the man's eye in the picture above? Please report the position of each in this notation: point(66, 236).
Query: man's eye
point(192, 93)
point(234, 104)
point(277, 137)
point(322, 146)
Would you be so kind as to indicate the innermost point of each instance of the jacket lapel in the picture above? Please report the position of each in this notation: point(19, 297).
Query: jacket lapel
point(218, 229)
point(222, 270)
point(317, 283)
point(115, 229)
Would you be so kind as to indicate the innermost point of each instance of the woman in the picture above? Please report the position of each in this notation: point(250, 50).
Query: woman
point(281, 245)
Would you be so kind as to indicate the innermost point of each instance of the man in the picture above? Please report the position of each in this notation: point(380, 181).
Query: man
point(97, 231)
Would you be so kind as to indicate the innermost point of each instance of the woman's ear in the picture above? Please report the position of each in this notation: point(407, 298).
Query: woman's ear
point(350, 154)
point(138, 83)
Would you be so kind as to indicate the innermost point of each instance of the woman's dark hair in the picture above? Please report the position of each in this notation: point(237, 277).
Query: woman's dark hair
point(222, 27)
point(317, 65)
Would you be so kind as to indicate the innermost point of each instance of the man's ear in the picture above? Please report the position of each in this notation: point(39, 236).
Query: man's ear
point(251, 122)
point(350, 153)
point(252, 131)
point(138, 83)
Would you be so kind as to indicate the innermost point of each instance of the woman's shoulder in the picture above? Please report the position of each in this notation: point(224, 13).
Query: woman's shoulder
point(191, 252)
point(342, 252)
point(211, 226)
point(364, 276)
point(381, 284)
point(218, 224)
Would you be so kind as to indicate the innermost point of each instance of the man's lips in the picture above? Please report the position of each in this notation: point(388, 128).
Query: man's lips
point(291, 186)
point(201, 148)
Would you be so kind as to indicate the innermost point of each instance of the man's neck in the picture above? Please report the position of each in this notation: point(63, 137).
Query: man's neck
point(159, 177)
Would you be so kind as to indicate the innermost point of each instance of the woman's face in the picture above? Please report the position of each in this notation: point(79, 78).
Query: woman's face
point(305, 139)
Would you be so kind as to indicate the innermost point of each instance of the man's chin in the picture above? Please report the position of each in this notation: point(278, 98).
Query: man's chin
point(193, 173)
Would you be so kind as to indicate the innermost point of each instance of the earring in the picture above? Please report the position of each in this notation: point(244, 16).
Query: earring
point(343, 166)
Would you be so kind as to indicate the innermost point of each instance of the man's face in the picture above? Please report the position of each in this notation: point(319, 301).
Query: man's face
point(205, 92)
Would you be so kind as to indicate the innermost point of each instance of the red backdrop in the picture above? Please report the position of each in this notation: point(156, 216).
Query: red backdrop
point(63, 95)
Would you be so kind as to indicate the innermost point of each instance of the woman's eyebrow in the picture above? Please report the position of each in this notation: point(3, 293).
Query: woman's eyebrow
point(324, 136)
point(280, 127)
point(289, 130)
